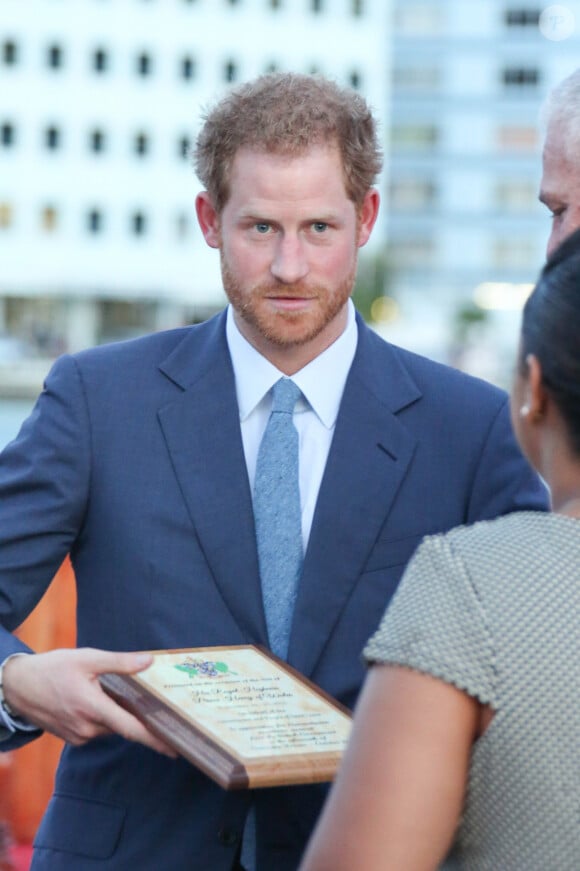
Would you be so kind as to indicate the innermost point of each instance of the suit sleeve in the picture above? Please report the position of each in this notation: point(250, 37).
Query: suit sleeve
point(44, 478)
point(504, 480)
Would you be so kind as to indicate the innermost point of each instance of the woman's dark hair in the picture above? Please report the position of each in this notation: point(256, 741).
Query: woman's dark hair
point(551, 331)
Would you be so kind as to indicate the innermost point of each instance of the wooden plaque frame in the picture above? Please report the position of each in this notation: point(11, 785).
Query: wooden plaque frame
point(241, 715)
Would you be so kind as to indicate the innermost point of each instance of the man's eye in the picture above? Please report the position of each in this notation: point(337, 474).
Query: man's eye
point(262, 227)
point(319, 226)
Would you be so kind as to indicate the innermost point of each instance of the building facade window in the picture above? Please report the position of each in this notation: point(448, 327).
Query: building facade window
point(522, 17)
point(100, 60)
point(7, 134)
point(517, 137)
point(6, 216)
point(49, 219)
point(412, 194)
point(515, 195)
point(355, 79)
point(54, 56)
point(33, 321)
point(414, 252)
point(520, 77)
point(52, 138)
point(141, 144)
point(9, 53)
point(419, 18)
point(414, 136)
point(514, 253)
point(144, 64)
point(138, 223)
point(183, 147)
point(414, 77)
point(230, 71)
point(97, 141)
point(187, 67)
point(182, 225)
point(95, 221)
point(119, 318)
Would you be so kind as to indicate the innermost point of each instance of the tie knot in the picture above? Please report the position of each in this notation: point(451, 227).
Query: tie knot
point(285, 395)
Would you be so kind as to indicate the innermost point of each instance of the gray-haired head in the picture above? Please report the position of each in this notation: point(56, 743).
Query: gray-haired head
point(561, 113)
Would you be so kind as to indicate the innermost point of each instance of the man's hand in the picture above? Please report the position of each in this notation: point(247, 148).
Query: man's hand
point(60, 692)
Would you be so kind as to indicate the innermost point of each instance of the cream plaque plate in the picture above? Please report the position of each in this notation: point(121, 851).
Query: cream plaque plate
point(240, 714)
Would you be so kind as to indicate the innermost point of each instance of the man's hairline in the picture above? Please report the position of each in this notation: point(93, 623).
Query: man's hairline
point(328, 142)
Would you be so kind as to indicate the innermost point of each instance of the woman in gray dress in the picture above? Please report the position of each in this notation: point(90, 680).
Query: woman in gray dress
point(465, 751)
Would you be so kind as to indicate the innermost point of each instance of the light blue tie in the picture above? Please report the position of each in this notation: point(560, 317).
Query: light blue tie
point(278, 516)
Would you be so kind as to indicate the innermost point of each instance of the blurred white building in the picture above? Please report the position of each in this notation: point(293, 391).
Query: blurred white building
point(100, 99)
point(468, 79)
point(99, 102)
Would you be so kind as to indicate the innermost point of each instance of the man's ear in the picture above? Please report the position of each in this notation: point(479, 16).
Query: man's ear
point(208, 219)
point(368, 215)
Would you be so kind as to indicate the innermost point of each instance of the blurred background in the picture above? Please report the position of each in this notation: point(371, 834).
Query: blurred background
point(100, 101)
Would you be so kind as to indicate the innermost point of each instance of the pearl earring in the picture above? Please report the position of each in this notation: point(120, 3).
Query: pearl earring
point(524, 410)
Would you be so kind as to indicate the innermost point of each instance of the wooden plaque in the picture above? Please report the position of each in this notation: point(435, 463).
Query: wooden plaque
point(240, 714)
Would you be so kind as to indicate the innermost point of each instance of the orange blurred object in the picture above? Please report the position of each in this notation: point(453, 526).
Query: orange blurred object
point(27, 774)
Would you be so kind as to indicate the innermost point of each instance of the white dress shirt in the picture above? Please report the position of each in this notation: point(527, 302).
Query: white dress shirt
point(322, 384)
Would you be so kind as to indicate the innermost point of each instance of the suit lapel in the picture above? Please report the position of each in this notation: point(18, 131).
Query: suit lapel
point(368, 459)
point(202, 432)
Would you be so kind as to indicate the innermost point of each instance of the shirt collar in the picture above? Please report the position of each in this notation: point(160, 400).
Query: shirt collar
point(321, 381)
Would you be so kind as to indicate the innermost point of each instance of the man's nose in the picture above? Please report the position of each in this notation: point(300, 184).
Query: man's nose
point(290, 263)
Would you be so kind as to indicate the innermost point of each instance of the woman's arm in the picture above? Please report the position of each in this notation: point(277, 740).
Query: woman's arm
point(399, 792)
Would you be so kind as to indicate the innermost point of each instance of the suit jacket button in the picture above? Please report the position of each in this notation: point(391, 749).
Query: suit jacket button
point(228, 837)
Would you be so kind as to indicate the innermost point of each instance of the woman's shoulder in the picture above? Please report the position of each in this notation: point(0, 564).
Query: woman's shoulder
point(522, 547)
point(510, 529)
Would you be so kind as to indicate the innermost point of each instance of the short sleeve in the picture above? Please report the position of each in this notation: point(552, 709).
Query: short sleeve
point(436, 623)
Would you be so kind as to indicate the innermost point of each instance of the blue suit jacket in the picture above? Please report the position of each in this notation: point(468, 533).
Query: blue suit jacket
point(132, 461)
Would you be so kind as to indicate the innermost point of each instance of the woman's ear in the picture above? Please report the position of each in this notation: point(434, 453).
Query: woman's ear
point(208, 219)
point(535, 405)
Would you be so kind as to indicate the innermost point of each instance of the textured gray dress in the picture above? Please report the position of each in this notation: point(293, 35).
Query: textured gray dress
point(495, 610)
